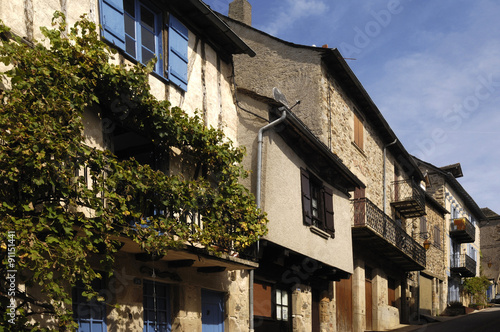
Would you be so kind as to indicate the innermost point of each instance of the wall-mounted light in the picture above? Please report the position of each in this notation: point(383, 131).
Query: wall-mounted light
point(427, 243)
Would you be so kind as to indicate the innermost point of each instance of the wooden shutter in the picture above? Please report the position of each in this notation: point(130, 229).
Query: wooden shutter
point(423, 226)
point(329, 220)
point(437, 237)
point(306, 197)
point(178, 36)
point(358, 131)
point(112, 22)
point(262, 295)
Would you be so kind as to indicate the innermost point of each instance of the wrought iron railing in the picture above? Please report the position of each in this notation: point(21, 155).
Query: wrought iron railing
point(459, 261)
point(407, 190)
point(461, 225)
point(369, 215)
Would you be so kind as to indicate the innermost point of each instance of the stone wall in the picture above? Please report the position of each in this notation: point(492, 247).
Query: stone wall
point(185, 285)
point(490, 245)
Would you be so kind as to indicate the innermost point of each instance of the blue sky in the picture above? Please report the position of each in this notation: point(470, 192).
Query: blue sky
point(432, 68)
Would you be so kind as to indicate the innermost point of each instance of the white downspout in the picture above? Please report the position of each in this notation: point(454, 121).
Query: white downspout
point(259, 155)
point(384, 177)
point(258, 201)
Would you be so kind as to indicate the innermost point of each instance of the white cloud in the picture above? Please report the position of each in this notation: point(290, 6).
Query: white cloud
point(292, 11)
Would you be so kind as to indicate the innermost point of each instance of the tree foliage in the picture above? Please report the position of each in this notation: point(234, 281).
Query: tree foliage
point(66, 202)
point(477, 287)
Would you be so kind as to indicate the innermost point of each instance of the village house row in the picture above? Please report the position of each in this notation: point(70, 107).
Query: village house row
point(362, 235)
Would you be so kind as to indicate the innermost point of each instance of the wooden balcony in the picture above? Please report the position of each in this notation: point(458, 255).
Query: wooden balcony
point(463, 265)
point(373, 229)
point(462, 230)
point(408, 198)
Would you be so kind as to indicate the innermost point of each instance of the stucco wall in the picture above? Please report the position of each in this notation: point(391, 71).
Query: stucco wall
point(281, 174)
point(281, 193)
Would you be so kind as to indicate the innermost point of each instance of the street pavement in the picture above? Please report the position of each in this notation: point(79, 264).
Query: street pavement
point(486, 320)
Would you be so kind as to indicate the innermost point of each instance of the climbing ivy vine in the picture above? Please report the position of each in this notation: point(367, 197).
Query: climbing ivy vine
point(64, 203)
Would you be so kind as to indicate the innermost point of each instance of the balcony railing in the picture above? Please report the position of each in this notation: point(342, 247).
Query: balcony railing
point(376, 231)
point(463, 264)
point(462, 230)
point(408, 198)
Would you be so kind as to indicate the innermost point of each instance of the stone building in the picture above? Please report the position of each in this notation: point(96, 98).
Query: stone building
point(432, 282)
point(304, 189)
point(339, 112)
point(461, 233)
point(490, 250)
point(190, 287)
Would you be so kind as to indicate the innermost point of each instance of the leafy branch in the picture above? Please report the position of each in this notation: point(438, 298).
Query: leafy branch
point(67, 202)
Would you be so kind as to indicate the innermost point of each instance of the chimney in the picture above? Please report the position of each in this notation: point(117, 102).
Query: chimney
point(241, 10)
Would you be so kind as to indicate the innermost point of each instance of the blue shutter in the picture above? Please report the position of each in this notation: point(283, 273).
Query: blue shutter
point(178, 53)
point(113, 26)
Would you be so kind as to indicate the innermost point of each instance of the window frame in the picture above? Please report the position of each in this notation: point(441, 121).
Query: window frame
point(148, 324)
point(270, 306)
point(280, 308)
point(325, 219)
point(94, 324)
point(138, 40)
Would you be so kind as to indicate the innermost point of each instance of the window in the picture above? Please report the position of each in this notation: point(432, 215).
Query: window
point(271, 302)
point(472, 252)
point(89, 314)
point(317, 203)
point(142, 32)
point(358, 132)
point(135, 27)
point(281, 304)
point(156, 306)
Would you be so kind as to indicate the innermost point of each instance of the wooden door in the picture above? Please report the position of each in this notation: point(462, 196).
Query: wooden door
point(316, 321)
point(343, 290)
point(369, 304)
point(391, 291)
point(212, 311)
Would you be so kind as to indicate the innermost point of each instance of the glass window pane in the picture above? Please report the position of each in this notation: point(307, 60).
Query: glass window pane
point(285, 298)
point(129, 7)
point(284, 316)
point(148, 39)
point(147, 19)
point(278, 312)
point(130, 26)
point(146, 55)
point(130, 46)
point(278, 296)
